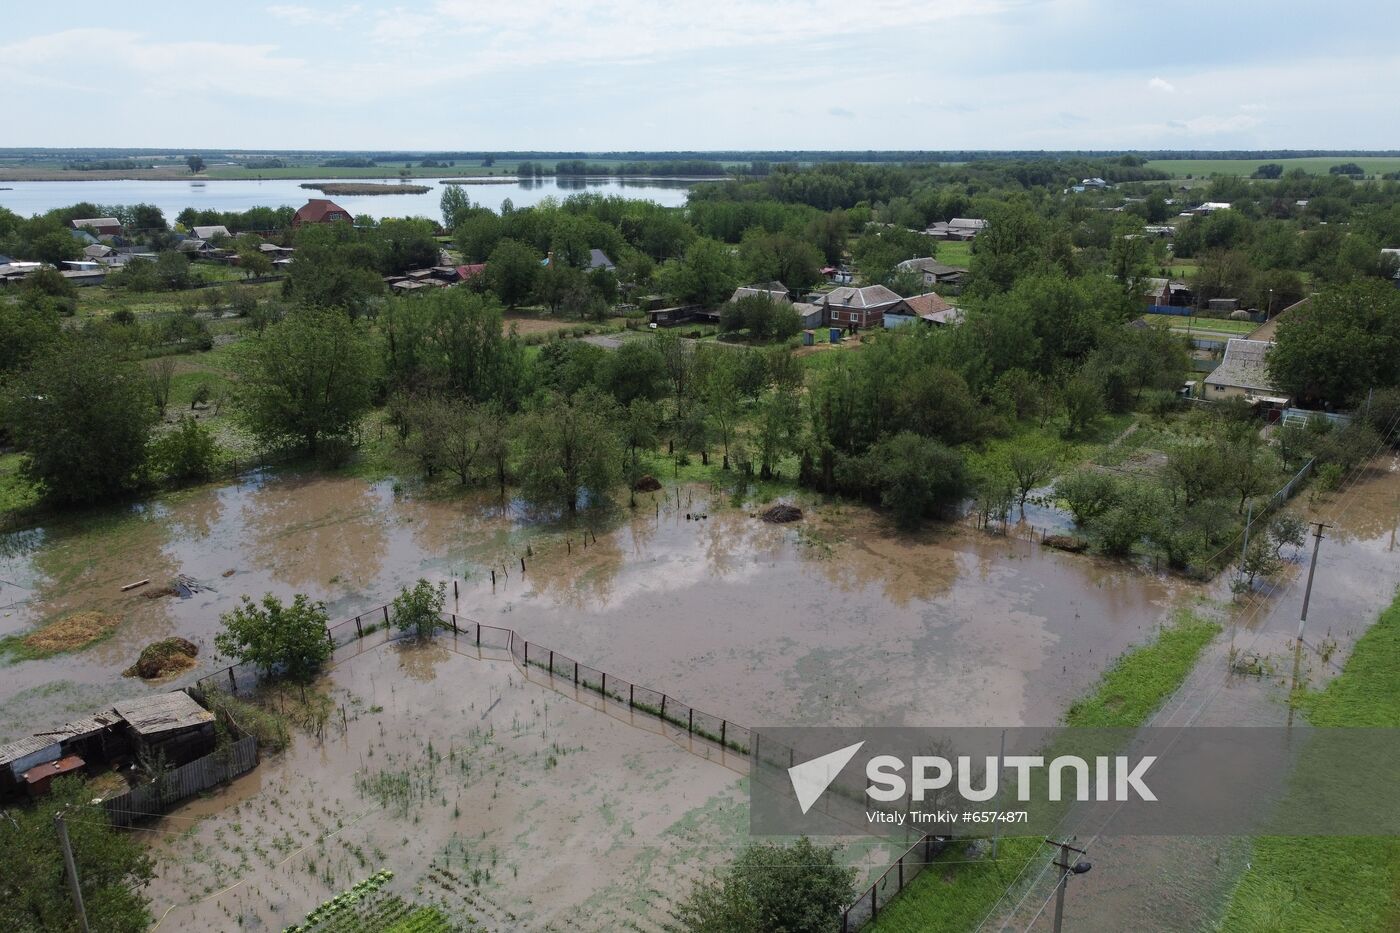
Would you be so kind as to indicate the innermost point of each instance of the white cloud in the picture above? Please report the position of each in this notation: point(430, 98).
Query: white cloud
point(311, 16)
point(1161, 84)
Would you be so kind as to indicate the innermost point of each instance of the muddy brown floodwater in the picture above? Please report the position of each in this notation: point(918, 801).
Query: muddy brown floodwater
point(834, 619)
point(1176, 883)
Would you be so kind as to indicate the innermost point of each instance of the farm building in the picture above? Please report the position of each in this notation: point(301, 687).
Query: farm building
point(959, 228)
point(172, 723)
point(320, 211)
point(208, 233)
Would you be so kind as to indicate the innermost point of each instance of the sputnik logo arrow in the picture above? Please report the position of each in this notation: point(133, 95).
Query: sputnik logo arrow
point(811, 778)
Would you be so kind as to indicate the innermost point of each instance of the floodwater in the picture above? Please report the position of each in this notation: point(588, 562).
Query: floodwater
point(172, 197)
point(1173, 883)
point(834, 619)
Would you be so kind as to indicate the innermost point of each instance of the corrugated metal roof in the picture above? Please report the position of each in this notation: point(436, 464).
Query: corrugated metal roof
point(162, 712)
point(81, 727)
point(1245, 365)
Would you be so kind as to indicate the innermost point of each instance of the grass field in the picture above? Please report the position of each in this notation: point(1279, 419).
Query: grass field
point(957, 896)
point(1200, 324)
point(1333, 884)
point(1315, 165)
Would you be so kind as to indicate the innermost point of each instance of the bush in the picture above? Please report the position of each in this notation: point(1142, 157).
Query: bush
point(1087, 494)
point(800, 888)
point(272, 636)
point(186, 454)
point(418, 609)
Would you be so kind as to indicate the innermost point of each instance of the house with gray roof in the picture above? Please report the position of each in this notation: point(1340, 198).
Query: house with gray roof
point(1244, 373)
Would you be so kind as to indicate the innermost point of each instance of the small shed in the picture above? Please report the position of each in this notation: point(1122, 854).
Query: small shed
point(16, 758)
point(38, 778)
point(171, 723)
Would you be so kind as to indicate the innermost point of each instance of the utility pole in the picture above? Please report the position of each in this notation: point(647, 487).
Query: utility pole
point(1303, 616)
point(1066, 869)
point(71, 868)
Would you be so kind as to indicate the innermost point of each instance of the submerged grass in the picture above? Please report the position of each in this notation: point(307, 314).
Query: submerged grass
point(956, 894)
point(69, 633)
point(1330, 883)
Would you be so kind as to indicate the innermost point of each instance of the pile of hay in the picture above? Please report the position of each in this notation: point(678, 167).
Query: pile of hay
point(71, 632)
point(782, 513)
point(164, 658)
point(1065, 543)
point(647, 483)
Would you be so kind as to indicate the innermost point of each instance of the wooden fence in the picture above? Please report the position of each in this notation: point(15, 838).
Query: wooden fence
point(155, 798)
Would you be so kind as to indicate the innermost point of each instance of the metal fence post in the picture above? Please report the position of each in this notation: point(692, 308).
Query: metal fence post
point(605, 685)
point(690, 727)
point(723, 724)
point(478, 634)
point(359, 632)
point(575, 673)
point(631, 694)
point(551, 660)
point(663, 707)
point(454, 623)
point(901, 874)
point(386, 615)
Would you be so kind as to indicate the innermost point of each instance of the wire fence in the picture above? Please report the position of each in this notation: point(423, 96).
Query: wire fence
point(905, 869)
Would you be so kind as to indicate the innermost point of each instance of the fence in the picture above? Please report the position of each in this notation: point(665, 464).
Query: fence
point(904, 870)
point(185, 781)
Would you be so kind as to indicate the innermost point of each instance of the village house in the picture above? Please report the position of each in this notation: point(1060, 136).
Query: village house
point(858, 308)
point(1244, 373)
point(208, 233)
point(1166, 293)
point(773, 291)
point(320, 211)
point(935, 272)
point(99, 226)
point(959, 228)
point(597, 259)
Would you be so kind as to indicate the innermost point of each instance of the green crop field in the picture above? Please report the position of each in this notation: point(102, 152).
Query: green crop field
point(1316, 165)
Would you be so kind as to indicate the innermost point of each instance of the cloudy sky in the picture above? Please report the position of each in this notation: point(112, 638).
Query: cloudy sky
point(718, 74)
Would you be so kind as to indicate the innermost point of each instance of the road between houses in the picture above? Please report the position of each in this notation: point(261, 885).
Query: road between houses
point(1180, 883)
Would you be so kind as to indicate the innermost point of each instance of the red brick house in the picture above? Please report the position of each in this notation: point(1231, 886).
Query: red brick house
point(859, 307)
point(320, 211)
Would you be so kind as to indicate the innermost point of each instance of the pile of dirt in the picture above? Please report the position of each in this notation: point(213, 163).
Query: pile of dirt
point(1065, 543)
point(647, 483)
point(164, 658)
point(71, 632)
point(782, 513)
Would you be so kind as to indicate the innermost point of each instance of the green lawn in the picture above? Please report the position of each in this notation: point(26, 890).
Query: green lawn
point(1200, 324)
point(1325, 884)
point(955, 896)
point(1316, 165)
point(16, 492)
point(954, 253)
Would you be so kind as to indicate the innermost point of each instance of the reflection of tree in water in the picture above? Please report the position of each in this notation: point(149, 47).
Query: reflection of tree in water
point(419, 659)
point(1366, 508)
point(312, 530)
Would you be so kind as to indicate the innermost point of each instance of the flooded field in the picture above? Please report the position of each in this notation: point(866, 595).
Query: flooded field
point(834, 619)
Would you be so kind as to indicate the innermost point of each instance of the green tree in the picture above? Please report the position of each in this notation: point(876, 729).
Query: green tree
point(306, 378)
point(635, 370)
point(512, 270)
point(24, 331)
point(917, 477)
point(172, 270)
point(455, 206)
point(195, 163)
point(1087, 494)
point(801, 888)
point(290, 640)
point(451, 340)
point(113, 867)
point(569, 445)
point(779, 257)
point(1343, 342)
point(706, 275)
point(82, 417)
point(418, 609)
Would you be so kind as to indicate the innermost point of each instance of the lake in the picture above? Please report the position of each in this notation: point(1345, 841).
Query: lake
point(36, 197)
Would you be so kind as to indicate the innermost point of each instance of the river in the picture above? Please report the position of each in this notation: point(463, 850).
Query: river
point(36, 197)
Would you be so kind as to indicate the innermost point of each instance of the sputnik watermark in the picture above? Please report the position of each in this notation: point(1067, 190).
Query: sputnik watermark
point(825, 781)
point(1115, 778)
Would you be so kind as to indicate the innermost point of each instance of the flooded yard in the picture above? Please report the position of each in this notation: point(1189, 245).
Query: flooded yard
point(507, 802)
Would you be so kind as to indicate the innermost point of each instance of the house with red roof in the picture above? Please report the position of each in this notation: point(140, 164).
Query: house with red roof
point(320, 211)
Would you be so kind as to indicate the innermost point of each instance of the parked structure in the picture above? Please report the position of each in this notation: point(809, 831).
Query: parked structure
point(959, 228)
point(773, 291)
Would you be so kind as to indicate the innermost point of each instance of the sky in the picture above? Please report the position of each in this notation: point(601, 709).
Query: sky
point(600, 75)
